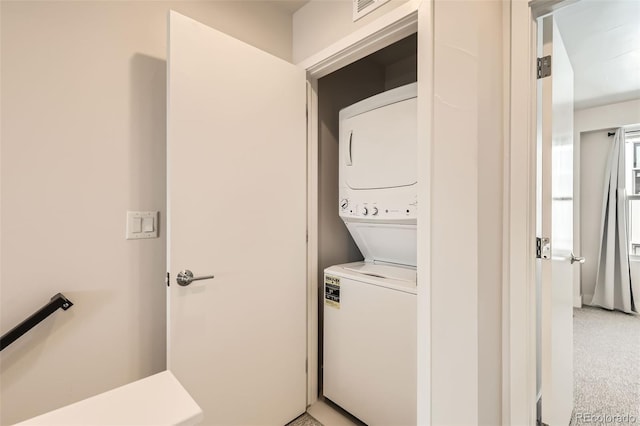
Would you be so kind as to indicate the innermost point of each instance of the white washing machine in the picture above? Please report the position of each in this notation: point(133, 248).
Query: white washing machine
point(370, 341)
point(369, 365)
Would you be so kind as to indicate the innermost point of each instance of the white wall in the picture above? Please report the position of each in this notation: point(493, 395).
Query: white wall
point(320, 23)
point(83, 140)
point(607, 116)
point(490, 213)
point(466, 209)
point(592, 148)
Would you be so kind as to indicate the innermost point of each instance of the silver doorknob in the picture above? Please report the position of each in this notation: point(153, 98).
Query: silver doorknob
point(575, 258)
point(186, 277)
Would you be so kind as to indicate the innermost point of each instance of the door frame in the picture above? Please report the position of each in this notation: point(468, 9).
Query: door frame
point(408, 18)
point(519, 302)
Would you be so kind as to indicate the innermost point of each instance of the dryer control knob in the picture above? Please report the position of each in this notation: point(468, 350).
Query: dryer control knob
point(374, 211)
point(344, 204)
point(365, 211)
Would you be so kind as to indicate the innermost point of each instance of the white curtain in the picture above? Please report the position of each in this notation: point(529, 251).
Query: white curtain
point(613, 283)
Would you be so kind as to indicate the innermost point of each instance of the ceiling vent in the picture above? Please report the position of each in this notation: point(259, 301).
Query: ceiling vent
point(363, 7)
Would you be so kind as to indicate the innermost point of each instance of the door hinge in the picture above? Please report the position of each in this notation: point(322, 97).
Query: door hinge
point(543, 248)
point(168, 279)
point(544, 66)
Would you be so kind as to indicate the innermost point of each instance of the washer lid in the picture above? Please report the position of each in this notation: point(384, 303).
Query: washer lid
point(395, 277)
point(385, 242)
point(399, 273)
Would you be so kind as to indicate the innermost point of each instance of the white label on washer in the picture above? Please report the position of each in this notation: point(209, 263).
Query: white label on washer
point(332, 291)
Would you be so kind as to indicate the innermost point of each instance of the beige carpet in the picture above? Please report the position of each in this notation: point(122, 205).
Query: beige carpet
point(606, 367)
point(305, 420)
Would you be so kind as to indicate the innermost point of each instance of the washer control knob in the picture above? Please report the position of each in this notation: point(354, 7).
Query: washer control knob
point(344, 203)
point(365, 211)
point(374, 211)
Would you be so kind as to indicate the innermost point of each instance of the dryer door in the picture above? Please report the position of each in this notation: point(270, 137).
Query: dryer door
point(378, 147)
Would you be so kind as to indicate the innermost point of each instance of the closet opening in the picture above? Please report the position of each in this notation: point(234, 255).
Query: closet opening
point(392, 69)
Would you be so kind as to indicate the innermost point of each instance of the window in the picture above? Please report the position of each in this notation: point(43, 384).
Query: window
point(562, 195)
point(633, 189)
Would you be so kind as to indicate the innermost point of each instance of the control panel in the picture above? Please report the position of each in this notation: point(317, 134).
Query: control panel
point(349, 208)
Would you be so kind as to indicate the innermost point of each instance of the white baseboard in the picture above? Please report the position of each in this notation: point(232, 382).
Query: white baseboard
point(577, 302)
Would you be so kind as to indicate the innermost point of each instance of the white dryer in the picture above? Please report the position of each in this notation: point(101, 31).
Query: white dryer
point(370, 342)
point(378, 174)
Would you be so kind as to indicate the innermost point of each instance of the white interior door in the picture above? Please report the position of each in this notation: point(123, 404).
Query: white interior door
point(237, 210)
point(557, 223)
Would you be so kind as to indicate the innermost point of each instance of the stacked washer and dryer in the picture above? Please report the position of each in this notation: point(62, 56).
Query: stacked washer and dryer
point(369, 350)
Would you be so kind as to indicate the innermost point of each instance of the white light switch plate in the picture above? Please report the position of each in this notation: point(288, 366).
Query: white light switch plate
point(142, 225)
